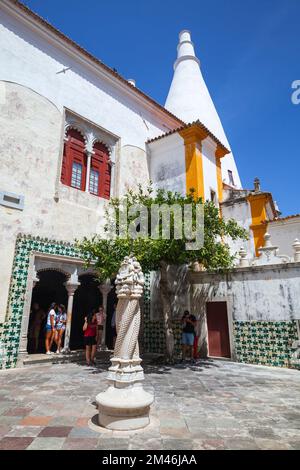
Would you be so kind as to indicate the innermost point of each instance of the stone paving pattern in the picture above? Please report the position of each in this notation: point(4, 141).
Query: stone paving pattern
point(209, 405)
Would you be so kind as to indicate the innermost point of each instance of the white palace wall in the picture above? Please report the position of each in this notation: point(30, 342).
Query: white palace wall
point(33, 98)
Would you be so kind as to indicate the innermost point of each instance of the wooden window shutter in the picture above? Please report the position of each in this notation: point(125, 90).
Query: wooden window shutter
point(64, 168)
point(100, 163)
point(74, 152)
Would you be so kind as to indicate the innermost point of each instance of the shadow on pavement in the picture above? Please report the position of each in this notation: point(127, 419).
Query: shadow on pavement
point(155, 365)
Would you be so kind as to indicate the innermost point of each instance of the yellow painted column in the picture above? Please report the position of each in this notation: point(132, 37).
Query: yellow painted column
point(193, 137)
point(194, 169)
point(220, 153)
point(259, 218)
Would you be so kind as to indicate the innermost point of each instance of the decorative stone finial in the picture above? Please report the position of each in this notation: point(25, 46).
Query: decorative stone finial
point(130, 279)
point(244, 262)
point(267, 238)
point(269, 254)
point(296, 247)
point(257, 185)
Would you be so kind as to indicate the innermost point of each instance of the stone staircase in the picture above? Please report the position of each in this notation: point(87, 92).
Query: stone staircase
point(73, 356)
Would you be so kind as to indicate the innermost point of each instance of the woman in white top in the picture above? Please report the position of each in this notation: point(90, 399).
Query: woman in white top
point(61, 320)
point(50, 327)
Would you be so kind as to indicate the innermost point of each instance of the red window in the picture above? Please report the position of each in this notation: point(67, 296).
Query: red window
point(74, 161)
point(100, 171)
point(74, 166)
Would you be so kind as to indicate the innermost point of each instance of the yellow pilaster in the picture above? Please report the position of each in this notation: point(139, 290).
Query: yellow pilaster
point(220, 153)
point(193, 137)
point(259, 218)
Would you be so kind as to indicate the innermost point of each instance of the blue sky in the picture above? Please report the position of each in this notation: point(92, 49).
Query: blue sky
point(249, 52)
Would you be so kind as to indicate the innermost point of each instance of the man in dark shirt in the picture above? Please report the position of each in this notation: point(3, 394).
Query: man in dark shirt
point(188, 333)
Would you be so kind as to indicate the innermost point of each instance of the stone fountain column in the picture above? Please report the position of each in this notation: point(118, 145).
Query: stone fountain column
point(125, 405)
point(71, 287)
point(105, 289)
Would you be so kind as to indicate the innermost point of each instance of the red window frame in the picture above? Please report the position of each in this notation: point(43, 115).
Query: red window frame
point(74, 152)
point(101, 163)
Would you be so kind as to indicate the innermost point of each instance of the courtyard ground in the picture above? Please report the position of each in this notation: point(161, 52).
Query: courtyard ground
point(211, 405)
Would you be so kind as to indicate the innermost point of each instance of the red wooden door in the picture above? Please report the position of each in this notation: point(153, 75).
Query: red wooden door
point(218, 333)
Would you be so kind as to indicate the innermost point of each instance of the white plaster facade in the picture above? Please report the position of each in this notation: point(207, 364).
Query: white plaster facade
point(261, 293)
point(167, 163)
point(240, 211)
point(209, 168)
point(283, 232)
point(45, 83)
point(266, 293)
point(36, 102)
point(35, 58)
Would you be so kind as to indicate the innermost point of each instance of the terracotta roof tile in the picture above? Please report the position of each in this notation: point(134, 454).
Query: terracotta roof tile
point(280, 219)
point(186, 126)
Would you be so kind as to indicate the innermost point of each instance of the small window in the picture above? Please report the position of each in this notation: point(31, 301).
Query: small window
point(14, 201)
point(76, 175)
point(230, 176)
point(94, 182)
point(213, 196)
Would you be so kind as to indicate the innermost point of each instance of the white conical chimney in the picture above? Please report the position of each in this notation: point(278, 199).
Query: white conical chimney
point(189, 99)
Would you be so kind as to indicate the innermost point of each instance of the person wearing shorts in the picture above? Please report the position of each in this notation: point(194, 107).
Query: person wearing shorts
point(90, 337)
point(50, 327)
point(188, 334)
point(61, 320)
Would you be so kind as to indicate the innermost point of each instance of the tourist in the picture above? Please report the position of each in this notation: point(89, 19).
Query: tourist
point(50, 327)
point(90, 337)
point(61, 321)
point(188, 333)
point(100, 321)
point(37, 316)
point(113, 325)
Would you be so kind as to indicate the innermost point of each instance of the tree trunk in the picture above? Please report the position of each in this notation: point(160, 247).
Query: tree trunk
point(167, 312)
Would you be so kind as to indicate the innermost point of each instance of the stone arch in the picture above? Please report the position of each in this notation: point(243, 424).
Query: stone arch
point(75, 126)
point(96, 140)
point(10, 82)
point(86, 298)
point(67, 274)
point(50, 288)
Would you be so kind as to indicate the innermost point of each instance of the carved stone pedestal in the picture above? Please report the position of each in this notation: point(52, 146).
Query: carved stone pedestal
point(124, 408)
point(125, 405)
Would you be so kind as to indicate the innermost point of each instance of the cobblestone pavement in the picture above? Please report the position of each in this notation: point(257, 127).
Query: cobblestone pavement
point(211, 405)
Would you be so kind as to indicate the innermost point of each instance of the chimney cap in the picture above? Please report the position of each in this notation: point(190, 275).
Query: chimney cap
point(256, 184)
point(184, 35)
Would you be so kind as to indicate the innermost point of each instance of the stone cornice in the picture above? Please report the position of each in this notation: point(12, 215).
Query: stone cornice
point(194, 130)
point(193, 134)
point(199, 277)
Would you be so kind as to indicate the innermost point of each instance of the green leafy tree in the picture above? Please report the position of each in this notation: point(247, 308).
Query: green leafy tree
point(157, 254)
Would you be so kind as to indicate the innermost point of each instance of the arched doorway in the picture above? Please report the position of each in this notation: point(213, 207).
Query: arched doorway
point(50, 288)
point(86, 298)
